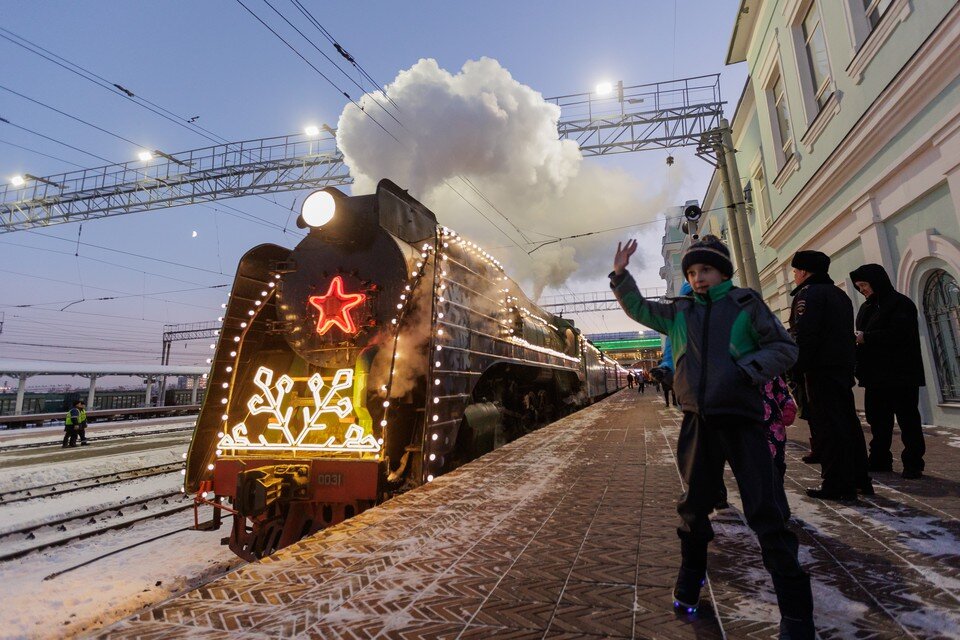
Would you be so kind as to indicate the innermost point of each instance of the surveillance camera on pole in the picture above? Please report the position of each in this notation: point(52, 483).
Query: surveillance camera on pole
point(691, 226)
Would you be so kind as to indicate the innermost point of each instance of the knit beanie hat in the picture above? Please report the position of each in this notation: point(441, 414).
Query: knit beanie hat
point(812, 261)
point(708, 250)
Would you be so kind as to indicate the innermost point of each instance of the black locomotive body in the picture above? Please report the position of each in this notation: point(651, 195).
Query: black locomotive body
point(381, 352)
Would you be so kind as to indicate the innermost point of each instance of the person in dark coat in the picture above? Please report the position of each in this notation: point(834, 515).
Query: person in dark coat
point(890, 369)
point(629, 380)
point(821, 321)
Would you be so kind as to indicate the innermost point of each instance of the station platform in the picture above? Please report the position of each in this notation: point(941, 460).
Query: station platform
point(570, 532)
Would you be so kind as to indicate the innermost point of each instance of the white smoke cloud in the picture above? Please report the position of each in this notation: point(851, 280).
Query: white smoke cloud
point(481, 127)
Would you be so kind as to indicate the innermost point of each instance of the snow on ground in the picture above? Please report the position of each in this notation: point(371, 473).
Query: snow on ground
point(91, 597)
point(86, 599)
point(84, 464)
point(35, 512)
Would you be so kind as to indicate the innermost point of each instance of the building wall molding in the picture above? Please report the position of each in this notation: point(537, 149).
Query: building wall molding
point(921, 248)
point(830, 109)
point(928, 72)
point(896, 13)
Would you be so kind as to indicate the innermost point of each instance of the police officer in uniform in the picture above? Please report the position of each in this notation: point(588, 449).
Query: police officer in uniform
point(75, 424)
point(821, 321)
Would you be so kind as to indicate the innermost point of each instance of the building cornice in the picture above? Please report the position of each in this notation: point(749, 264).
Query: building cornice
point(928, 72)
point(743, 29)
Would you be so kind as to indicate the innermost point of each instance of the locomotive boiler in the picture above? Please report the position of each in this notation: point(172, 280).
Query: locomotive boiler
point(381, 352)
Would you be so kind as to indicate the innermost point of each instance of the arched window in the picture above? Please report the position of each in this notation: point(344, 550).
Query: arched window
point(941, 307)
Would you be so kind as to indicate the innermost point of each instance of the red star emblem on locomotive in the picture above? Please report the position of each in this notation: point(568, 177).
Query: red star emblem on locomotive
point(335, 307)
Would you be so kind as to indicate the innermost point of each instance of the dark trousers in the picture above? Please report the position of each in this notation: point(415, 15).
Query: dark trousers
point(842, 448)
point(69, 436)
point(641, 386)
point(703, 447)
point(882, 404)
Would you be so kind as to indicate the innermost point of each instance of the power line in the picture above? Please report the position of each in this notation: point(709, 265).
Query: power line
point(72, 117)
point(120, 297)
point(125, 293)
point(41, 153)
point(46, 137)
point(350, 58)
point(102, 82)
point(343, 52)
point(106, 262)
point(117, 89)
point(320, 51)
point(126, 253)
point(312, 66)
point(76, 348)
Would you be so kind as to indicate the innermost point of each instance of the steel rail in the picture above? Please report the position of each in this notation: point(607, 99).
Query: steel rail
point(93, 532)
point(53, 489)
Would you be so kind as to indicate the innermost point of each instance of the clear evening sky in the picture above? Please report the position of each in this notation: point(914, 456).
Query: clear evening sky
point(211, 59)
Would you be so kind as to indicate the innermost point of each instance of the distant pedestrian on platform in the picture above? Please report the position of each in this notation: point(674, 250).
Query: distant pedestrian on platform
point(727, 343)
point(821, 321)
point(75, 424)
point(890, 369)
point(642, 382)
point(629, 380)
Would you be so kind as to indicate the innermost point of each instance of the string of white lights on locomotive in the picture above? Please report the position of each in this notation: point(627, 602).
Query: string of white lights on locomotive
point(442, 241)
point(448, 235)
point(402, 307)
point(264, 295)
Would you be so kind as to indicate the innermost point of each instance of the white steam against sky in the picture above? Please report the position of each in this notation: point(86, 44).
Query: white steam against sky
point(482, 126)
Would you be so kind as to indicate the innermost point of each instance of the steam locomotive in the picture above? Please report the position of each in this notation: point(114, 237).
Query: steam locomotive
point(382, 351)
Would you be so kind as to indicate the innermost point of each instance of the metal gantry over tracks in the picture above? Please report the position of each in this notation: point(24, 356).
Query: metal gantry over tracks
point(659, 115)
point(251, 167)
point(635, 118)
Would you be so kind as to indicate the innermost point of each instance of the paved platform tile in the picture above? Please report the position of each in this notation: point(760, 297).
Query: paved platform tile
point(570, 533)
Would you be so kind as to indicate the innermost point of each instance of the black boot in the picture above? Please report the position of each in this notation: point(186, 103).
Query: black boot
point(686, 592)
point(796, 607)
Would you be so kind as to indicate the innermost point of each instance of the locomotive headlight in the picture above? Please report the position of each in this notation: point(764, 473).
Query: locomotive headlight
point(318, 209)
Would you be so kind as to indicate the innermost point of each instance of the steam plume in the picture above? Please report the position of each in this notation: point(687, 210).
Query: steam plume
point(481, 128)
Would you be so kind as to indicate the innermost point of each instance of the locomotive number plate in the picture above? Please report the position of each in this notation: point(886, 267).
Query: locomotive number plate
point(330, 479)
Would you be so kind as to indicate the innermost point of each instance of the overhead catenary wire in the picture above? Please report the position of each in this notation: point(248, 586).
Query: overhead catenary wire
point(41, 153)
point(60, 142)
point(345, 94)
point(102, 82)
point(343, 52)
point(116, 297)
point(314, 67)
point(72, 117)
point(106, 262)
point(330, 60)
point(116, 89)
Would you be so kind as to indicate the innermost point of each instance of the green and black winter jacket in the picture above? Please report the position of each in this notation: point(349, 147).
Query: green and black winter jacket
point(726, 344)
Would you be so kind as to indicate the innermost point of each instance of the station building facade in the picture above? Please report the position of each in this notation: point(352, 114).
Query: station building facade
point(848, 142)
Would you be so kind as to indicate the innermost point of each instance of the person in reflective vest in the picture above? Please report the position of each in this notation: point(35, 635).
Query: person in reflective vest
point(75, 424)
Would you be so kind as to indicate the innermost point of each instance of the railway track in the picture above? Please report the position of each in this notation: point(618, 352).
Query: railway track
point(59, 488)
point(94, 522)
point(117, 436)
